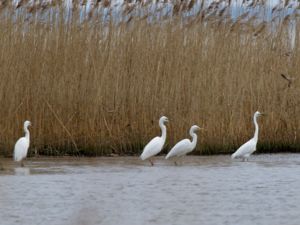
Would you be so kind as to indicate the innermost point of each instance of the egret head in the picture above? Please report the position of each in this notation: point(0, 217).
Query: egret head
point(27, 123)
point(195, 128)
point(163, 120)
point(258, 114)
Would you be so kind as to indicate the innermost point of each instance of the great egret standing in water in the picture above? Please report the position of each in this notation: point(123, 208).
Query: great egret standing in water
point(249, 147)
point(22, 145)
point(157, 143)
point(184, 146)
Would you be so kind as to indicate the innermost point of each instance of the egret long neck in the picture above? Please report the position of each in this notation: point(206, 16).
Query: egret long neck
point(194, 139)
point(163, 130)
point(256, 128)
point(27, 134)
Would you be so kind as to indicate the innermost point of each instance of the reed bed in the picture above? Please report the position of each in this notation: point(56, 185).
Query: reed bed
point(95, 87)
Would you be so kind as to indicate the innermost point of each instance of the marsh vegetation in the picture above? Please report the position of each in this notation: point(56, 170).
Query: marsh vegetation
point(93, 85)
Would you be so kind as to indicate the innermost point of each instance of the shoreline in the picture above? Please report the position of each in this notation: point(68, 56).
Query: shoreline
point(262, 149)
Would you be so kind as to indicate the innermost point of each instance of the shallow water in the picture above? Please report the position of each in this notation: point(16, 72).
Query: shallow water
point(201, 190)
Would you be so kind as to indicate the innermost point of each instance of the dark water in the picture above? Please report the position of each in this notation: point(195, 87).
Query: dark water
point(202, 190)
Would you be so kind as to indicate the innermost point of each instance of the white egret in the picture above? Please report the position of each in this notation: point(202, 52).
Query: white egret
point(157, 143)
point(249, 147)
point(184, 146)
point(22, 145)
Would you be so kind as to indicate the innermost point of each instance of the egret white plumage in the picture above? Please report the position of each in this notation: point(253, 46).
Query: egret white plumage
point(249, 147)
point(22, 145)
point(184, 146)
point(157, 143)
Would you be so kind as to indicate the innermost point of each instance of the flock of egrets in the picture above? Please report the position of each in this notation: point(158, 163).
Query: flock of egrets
point(185, 146)
point(155, 146)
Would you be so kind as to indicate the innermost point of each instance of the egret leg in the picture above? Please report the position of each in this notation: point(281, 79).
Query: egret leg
point(175, 163)
point(152, 164)
point(22, 164)
point(180, 160)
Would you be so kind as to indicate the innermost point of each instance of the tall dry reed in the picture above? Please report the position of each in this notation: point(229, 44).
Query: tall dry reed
point(99, 88)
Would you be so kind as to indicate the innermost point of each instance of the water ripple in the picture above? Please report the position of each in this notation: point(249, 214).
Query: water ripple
point(202, 190)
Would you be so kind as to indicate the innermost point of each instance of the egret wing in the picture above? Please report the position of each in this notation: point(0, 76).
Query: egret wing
point(21, 148)
point(245, 150)
point(181, 148)
point(152, 148)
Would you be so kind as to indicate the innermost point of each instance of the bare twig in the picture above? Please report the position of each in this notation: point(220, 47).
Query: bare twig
point(288, 79)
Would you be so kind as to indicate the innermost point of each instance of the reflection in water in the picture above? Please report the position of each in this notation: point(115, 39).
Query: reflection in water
point(203, 190)
point(22, 171)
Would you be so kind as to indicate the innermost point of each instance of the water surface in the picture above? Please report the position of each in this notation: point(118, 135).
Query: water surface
point(202, 190)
